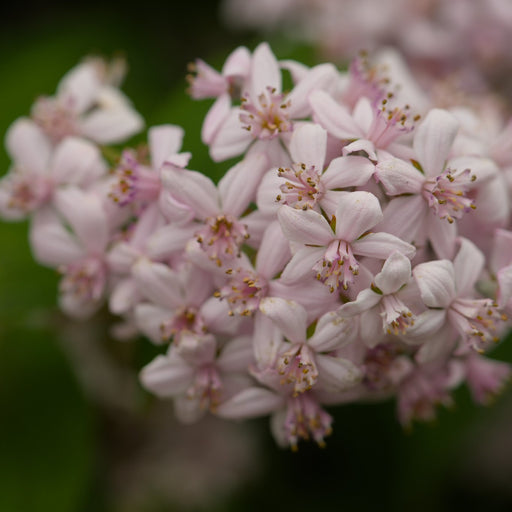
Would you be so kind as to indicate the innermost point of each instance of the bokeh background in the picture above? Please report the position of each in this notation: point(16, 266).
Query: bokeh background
point(78, 434)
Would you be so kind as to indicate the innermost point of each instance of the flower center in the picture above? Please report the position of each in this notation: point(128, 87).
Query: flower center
point(26, 191)
point(267, 117)
point(478, 321)
point(297, 366)
point(243, 292)
point(302, 186)
point(56, 117)
point(134, 181)
point(338, 267)
point(222, 237)
point(207, 387)
point(185, 319)
point(85, 280)
point(305, 419)
point(396, 316)
point(446, 194)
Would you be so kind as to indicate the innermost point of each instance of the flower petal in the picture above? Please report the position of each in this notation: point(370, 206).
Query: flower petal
point(436, 281)
point(356, 213)
point(433, 140)
point(289, 316)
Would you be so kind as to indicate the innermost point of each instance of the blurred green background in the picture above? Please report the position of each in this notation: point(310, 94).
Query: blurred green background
point(76, 431)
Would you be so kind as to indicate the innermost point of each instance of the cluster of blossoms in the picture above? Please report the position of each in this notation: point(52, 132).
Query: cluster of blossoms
point(357, 250)
point(469, 36)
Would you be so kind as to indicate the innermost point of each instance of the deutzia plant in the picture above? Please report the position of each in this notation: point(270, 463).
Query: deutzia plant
point(357, 249)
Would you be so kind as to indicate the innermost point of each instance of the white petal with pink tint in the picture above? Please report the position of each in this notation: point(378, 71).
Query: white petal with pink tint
point(288, 315)
point(433, 141)
point(356, 213)
point(28, 146)
point(84, 212)
point(308, 145)
point(307, 227)
point(77, 161)
point(164, 141)
point(436, 281)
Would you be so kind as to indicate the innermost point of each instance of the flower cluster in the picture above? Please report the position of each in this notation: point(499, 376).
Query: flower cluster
point(471, 37)
point(357, 249)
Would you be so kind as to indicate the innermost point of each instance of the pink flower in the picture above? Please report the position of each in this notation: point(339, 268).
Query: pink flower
point(330, 248)
point(433, 192)
point(85, 105)
point(380, 307)
point(78, 254)
point(39, 170)
point(266, 113)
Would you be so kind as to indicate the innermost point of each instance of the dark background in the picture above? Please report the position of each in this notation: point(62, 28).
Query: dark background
point(76, 431)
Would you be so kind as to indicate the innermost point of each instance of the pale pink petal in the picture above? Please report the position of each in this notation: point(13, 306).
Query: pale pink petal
point(274, 252)
point(320, 77)
point(289, 316)
point(302, 264)
point(336, 374)
point(439, 346)
point(308, 146)
point(250, 403)
point(231, 138)
point(237, 355)
point(265, 71)
point(166, 376)
point(356, 213)
point(365, 300)
point(243, 184)
point(502, 250)
point(468, 266)
point(215, 118)
point(404, 217)
point(436, 281)
point(121, 258)
point(381, 245)
point(149, 320)
point(111, 126)
point(425, 327)
point(395, 273)
point(194, 189)
point(173, 210)
point(363, 113)
point(81, 85)
point(268, 191)
point(84, 212)
point(399, 177)
point(493, 203)
point(361, 145)
point(433, 140)
point(216, 317)
point(238, 62)
point(371, 329)
point(168, 240)
point(28, 146)
point(267, 340)
point(334, 117)
point(442, 236)
point(307, 227)
point(51, 243)
point(158, 283)
point(332, 332)
point(164, 141)
point(124, 296)
point(149, 220)
point(348, 171)
point(77, 161)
